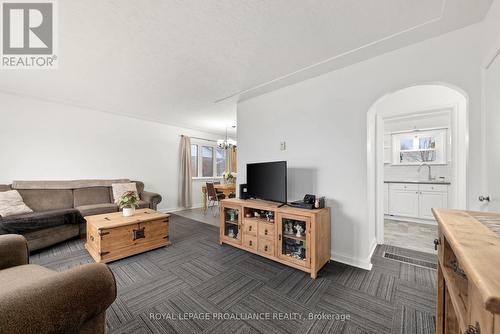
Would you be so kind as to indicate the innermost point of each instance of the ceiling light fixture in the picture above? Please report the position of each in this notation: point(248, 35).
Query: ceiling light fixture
point(228, 142)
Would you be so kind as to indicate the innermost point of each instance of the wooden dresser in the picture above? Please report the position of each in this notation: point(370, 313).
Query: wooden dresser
point(298, 238)
point(468, 296)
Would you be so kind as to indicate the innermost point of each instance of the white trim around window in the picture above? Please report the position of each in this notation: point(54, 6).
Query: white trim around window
point(197, 171)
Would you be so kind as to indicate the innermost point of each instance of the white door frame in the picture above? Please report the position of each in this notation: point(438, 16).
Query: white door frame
point(375, 158)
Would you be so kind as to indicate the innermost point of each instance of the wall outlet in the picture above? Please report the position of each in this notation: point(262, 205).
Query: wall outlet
point(283, 146)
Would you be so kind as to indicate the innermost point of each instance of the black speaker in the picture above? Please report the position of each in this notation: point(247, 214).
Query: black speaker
point(244, 191)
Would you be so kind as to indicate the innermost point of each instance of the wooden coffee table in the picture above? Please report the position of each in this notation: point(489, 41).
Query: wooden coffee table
point(112, 236)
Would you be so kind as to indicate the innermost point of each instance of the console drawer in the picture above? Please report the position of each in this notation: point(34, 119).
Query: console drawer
point(266, 230)
point(250, 227)
point(266, 246)
point(249, 241)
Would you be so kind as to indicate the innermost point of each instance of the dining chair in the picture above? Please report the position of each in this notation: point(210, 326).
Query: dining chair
point(213, 197)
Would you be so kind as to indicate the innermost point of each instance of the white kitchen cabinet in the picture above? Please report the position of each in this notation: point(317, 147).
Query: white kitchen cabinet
point(429, 199)
point(416, 200)
point(403, 200)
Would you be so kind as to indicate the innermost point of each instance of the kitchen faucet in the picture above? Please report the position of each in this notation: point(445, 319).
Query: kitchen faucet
point(427, 165)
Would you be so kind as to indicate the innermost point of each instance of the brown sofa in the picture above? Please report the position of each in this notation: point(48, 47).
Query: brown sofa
point(34, 299)
point(90, 197)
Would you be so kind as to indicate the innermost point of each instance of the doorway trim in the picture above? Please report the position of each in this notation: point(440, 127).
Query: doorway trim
point(375, 175)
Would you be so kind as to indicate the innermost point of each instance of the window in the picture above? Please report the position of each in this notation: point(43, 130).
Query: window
point(419, 147)
point(207, 162)
point(220, 160)
point(194, 160)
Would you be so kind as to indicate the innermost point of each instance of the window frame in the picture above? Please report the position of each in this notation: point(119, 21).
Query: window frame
point(214, 147)
point(440, 135)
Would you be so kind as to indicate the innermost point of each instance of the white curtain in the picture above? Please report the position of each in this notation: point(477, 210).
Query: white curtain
point(185, 180)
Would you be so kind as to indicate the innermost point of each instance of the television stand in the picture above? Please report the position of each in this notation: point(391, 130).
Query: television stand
point(295, 237)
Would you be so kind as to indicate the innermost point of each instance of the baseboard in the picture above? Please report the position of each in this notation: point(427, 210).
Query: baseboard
point(411, 220)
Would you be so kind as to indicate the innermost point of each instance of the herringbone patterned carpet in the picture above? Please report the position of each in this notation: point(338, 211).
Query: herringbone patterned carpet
point(178, 289)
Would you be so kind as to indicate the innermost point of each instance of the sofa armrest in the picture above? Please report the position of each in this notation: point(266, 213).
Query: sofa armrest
point(59, 303)
point(13, 251)
point(153, 198)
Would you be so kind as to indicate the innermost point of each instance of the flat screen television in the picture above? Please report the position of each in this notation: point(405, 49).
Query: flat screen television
point(267, 181)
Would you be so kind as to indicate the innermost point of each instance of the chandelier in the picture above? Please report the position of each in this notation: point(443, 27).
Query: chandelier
point(226, 143)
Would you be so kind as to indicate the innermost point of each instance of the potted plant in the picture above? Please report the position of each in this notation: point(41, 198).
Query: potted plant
point(128, 202)
point(229, 177)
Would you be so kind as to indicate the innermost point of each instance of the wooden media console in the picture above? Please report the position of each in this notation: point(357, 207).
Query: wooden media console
point(298, 238)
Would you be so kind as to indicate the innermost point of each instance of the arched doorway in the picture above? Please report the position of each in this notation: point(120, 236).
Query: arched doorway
point(417, 101)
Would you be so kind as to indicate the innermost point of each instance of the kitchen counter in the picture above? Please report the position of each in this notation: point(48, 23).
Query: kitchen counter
point(418, 181)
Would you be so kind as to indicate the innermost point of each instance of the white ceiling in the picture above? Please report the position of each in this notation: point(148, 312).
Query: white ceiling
point(170, 60)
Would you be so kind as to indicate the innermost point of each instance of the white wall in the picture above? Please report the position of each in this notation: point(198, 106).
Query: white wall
point(324, 122)
point(43, 140)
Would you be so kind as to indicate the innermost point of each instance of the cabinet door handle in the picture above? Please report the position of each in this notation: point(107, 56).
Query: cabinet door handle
point(265, 232)
point(249, 228)
point(265, 248)
point(250, 242)
point(436, 243)
point(473, 329)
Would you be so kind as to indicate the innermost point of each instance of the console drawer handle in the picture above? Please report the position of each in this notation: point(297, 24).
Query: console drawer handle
point(473, 329)
point(436, 243)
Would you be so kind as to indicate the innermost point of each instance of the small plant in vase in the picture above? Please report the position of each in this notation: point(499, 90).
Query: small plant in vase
point(128, 202)
point(229, 177)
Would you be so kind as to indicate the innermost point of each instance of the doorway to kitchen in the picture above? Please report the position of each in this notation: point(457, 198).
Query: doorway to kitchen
point(419, 162)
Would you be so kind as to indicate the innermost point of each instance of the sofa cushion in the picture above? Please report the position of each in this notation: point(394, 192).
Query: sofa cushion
point(45, 200)
point(143, 204)
point(5, 187)
point(120, 188)
point(97, 209)
point(140, 186)
point(11, 203)
point(30, 274)
point(88, 196)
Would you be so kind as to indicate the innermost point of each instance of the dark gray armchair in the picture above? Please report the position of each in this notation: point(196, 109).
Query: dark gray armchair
point(34, 299)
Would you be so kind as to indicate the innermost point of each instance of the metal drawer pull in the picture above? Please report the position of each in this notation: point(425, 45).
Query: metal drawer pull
point(457, 270)
point(139, 234)
point(473, 329)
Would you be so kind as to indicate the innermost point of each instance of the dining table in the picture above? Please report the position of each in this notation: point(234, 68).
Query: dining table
point(225, 188)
